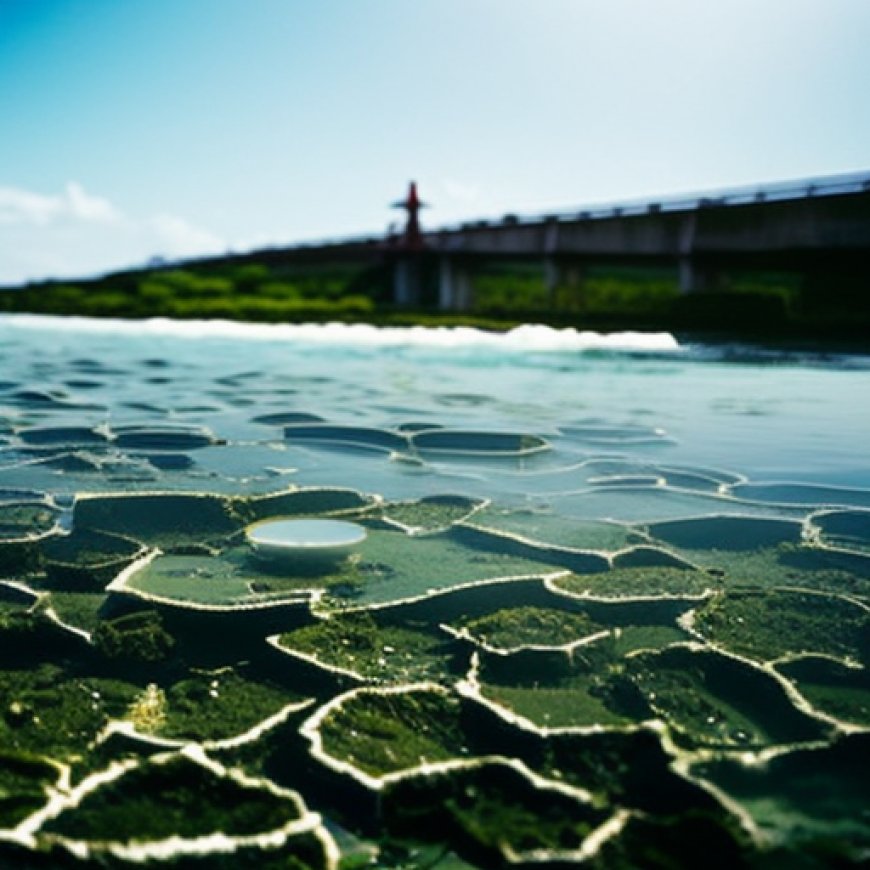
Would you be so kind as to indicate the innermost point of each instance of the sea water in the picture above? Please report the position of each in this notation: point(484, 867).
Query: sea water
point(665, 491)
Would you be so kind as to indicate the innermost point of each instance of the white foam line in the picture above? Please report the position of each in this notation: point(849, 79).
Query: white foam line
point(527, 338)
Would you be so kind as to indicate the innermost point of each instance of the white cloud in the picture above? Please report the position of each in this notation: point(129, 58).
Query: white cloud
point(76, 233)
point(22, 206)
point(19, 206)
point(83, 206)
point(180, 238)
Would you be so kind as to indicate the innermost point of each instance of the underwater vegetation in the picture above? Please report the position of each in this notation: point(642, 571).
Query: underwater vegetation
point(554, 645)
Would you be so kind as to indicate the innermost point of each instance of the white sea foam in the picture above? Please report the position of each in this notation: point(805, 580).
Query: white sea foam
point(528, 338)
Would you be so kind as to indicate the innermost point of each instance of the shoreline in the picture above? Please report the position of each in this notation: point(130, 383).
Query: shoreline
point(442, 331)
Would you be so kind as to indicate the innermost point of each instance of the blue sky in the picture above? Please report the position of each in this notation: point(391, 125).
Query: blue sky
point(133, 128)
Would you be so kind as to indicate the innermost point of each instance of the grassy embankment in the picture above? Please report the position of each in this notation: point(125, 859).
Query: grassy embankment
point(750, 305)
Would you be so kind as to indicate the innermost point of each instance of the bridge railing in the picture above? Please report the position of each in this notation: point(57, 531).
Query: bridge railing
point(832, 185)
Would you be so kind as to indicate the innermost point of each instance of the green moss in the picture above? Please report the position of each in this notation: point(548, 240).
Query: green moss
point(86, 560)
point(386, 653)
point(25, 520)
point(548, 529)
point(47, 711)
point(218, 705)
point(555, 690)
point(176, 798)
point(23, 781)
point(136, 638)
point(382, 733)
point(767, 625)
point(235, 576)
point(431, 513)
point(393, 565)
point(812, 800)
point(78, 609)
point(484, 811)
point(301, 502)
point(164, 520)
point(571, 704)
point(622, 768)
point(20, 527)
point(626, 582)
point(527, 626)
point(832, 688)
point(695, 838)
point(713, 700)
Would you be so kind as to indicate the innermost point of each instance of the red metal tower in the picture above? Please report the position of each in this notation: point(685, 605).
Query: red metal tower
point(412, 239)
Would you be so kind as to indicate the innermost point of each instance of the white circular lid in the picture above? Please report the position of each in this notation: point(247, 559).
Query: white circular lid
point(306, 535)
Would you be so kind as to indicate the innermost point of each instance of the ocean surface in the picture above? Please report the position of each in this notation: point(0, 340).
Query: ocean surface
point(702, 509)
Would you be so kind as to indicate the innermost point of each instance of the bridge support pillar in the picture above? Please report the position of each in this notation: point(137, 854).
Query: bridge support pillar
point(406, 282)
point(455, 292)
point(569, 275)
point(552, 279)
point(694, 277)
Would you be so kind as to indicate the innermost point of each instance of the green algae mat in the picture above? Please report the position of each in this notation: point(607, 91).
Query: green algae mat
point(601, 610)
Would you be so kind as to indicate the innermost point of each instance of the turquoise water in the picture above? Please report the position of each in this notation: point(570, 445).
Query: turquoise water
point(777, 417)
point(702, 513)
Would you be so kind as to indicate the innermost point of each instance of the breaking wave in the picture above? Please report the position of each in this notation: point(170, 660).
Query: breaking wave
point(528, 338)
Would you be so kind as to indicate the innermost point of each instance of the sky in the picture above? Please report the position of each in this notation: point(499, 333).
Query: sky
point(131, 129)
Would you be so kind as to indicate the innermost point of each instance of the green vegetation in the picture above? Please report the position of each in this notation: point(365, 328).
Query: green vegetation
point(626, 768)
point(549, 529)
point(812, 801)
point(380, 733)
point(137, 638)
point(627, 582)
point(769, 625)
point(572, 702)
point(486, 811)
point(23, 780)
point(301, 502)
point(164, 520)
point(246, 292)
point(25, 520)
point(221, 704)
point(20, 526)
point(86, 560)
point(555, 690)
point(384, 653)
point(47, 711)
point(529, 626)
point(78, 609)
point(430, 514)
point(175, 798)
point(391, 565)
point(833, 688)
point(287, 287)
point(233, 577)
point(710, 700)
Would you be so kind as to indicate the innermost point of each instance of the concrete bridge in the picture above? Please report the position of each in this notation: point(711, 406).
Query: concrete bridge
point(811, 226)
